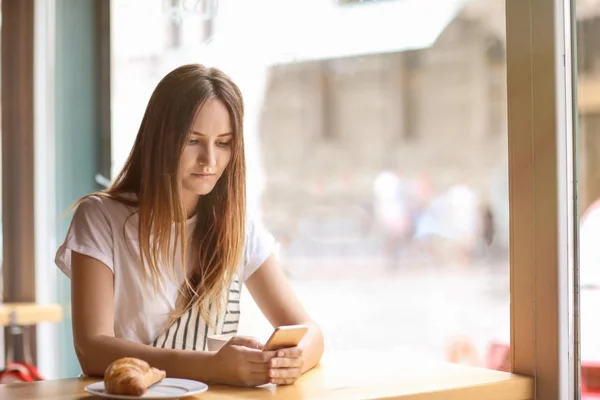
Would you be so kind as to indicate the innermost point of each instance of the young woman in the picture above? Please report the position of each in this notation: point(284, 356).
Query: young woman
point(158, 260)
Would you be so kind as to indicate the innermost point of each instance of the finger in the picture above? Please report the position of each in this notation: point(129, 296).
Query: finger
point(246, 341)
point(284, 373)
point(286, 362)
point(292, 352)
point(283, 382)
point(262, 357)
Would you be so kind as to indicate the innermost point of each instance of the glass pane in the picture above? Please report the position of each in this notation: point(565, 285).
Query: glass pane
point(587, 140)
point(376, 156)
point(76, 145)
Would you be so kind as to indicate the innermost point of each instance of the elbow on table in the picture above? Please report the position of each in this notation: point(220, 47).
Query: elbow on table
point(87, 355)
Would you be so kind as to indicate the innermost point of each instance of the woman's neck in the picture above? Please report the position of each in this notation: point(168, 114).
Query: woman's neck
point(190, 201)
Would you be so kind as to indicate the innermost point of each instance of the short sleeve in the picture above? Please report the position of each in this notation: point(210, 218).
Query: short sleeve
point(260, 244)
point(89, 234)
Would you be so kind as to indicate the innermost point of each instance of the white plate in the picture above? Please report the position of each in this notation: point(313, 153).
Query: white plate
point(168, 388)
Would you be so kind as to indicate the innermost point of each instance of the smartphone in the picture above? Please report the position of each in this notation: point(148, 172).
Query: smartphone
point(285, 336)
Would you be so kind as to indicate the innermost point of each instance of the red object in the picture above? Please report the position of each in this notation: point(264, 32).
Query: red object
point(20, 372)
point(498, 358)
point(590, 379)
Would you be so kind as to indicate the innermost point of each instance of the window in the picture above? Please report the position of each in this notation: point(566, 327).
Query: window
point(353, 263)
point(373, 165)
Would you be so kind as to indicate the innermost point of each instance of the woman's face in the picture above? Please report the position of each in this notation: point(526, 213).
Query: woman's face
point(207, 152)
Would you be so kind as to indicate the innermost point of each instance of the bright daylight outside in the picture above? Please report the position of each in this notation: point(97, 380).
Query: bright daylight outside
point(588, 102)
point(376, 141)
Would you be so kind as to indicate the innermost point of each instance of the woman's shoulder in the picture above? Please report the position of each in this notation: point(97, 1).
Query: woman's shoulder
point(260, 244)
point(257, 234)
point(253, 223)
point(101, 205)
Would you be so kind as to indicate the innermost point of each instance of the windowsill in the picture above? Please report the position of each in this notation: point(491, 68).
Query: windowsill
point(402, 375)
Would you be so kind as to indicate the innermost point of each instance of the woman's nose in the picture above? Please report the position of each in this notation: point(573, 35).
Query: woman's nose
point(207, 156)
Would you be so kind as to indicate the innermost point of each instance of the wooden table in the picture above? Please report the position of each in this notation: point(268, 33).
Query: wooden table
point(347, 376)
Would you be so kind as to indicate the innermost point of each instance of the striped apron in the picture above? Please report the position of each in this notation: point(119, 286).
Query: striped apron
point(190, 332)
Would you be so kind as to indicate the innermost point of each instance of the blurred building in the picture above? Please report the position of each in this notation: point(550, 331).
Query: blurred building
point(330, 126)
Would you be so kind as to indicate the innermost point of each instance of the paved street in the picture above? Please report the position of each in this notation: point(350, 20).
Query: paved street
point(359, 304)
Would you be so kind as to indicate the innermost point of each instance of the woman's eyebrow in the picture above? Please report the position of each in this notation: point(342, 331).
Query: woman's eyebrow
point(219, 135)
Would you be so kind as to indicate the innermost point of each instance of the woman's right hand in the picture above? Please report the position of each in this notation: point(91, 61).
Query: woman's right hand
point(241, 362)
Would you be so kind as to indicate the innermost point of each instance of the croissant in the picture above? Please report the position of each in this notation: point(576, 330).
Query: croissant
point(131, 376)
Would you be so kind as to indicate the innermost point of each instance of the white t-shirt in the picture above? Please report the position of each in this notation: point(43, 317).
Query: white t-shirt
point(107, 230)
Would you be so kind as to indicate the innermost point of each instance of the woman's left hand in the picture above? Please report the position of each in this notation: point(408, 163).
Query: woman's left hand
point(286, 367)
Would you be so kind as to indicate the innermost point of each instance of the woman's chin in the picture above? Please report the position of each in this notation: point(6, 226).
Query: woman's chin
point(202, 189)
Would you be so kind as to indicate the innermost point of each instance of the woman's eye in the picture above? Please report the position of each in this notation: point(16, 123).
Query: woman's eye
point(223, 144)
point(193, 141)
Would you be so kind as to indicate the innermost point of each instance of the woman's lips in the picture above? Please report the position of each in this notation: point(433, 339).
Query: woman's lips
point(202, 175)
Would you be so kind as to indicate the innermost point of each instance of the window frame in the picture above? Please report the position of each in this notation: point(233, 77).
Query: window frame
point(542, 189)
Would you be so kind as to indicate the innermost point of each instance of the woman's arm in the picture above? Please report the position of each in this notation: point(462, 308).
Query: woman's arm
point(239, 362)
point(92, 293)
point(274, 296)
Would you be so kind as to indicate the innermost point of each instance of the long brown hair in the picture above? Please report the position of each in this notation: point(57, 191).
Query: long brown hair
point(151, 172)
